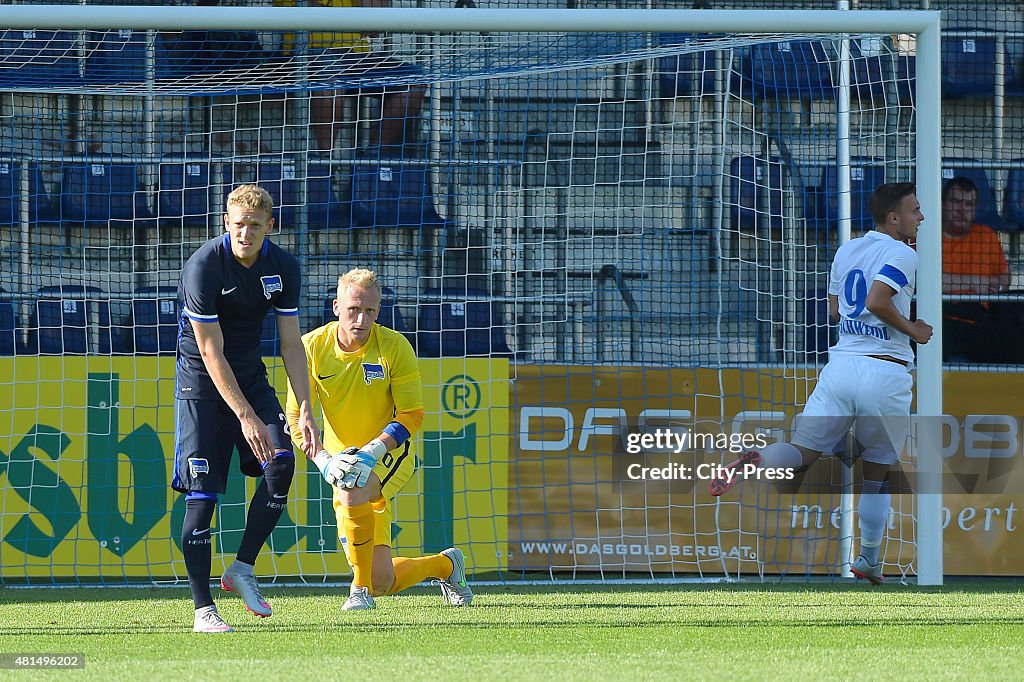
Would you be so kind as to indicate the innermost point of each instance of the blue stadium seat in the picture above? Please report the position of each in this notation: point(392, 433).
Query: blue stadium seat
point(392, 196)
point(872, 58)
point(44, 207)
point(31, 57)
point(798, 69)
point(1013, 200)
point(756, 193)
point(70, 320)
point(101, 193)
point(988, 208)
point(324, 210)
point(818, 327)
point(193, 52)
point(119, 56)
point(865, 176)
point(968, 66)
point(469, 325)
point(187, 195)
point(154, 321)
point(685, 74)
point(8, 326)
point(9, 174)
point(40, 204)
point(277, 177)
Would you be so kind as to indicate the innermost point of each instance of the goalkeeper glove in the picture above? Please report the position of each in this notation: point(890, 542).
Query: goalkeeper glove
point(358, 463)
point(331, 466)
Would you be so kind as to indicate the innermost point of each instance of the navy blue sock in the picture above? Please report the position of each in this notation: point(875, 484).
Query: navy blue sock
point(196, 545)
point(266, 506)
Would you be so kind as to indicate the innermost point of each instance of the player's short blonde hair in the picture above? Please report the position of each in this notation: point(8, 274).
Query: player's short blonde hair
point(251, 197)
point(360, 277)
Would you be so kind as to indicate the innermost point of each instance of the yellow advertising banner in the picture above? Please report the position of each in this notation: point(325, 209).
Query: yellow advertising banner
point(87, 450)
point(579, 506)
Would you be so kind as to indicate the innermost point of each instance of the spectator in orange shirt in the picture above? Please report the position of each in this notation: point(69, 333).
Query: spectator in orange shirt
point(972, 263)
point(972, 255)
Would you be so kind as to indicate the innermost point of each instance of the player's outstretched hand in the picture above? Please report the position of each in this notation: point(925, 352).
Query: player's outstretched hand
point(922, 332)
point(357, 464)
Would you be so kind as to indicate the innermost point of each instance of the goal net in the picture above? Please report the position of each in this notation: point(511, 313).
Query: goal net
point(588, 236)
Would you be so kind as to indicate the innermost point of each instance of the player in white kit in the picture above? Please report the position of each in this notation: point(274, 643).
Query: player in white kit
point(866, 383)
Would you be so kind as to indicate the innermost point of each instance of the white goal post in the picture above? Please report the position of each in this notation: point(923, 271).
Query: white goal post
point(924, 25)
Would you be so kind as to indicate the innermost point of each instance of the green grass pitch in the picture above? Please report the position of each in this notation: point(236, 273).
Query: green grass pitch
point(964, 630)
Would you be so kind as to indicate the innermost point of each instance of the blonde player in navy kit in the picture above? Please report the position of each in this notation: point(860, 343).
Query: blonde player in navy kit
point(223, 399)
point(367, 380)
point(866, 384)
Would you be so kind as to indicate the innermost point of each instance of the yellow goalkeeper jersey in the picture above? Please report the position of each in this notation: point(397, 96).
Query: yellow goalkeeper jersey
point(360, 392)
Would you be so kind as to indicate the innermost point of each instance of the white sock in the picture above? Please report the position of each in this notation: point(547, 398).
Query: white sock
point(873, 512)
point(206, 609)
point(781, 456)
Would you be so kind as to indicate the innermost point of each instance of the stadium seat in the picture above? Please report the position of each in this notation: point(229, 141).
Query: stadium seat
point(324, 210)
point(865, 176)
point(392, 196)
point(871, 58)
point(119, 56)
point(70, 320)
point(154, 321)
point(31, 57)
point(1013, 200)
point(817, 326)
point(685, 75)
point(469, 325)
point(187, 195)
point(44, 206)
point(799, 69)
point(988, 208)
point(8, 325)
point(192, 52)
point(101, 193)
point(277, 177)
point(40, 203)
point(9, 173)
point(756, 191)
point(968, 66)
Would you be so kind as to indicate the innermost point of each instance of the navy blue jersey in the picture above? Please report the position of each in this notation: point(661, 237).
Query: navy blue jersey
point(217, 288)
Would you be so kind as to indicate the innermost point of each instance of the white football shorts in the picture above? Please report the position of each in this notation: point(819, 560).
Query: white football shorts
point(873, 396)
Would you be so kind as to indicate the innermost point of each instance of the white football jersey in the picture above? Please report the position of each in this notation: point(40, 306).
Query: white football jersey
point(858, 263)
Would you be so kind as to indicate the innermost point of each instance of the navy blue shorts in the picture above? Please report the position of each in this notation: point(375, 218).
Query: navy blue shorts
point(207, 434)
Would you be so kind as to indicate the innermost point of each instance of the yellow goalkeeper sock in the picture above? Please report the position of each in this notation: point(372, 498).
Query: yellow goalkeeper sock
point(359, 533)
point(409, 572)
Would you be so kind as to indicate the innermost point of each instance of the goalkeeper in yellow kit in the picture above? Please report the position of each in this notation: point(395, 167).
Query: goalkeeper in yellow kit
point(367, 380)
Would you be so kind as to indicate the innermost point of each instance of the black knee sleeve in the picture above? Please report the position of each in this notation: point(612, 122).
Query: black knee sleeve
point(278, 474)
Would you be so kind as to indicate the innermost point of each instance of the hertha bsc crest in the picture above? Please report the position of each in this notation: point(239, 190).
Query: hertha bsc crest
point(371, 372)
point(271, 283)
